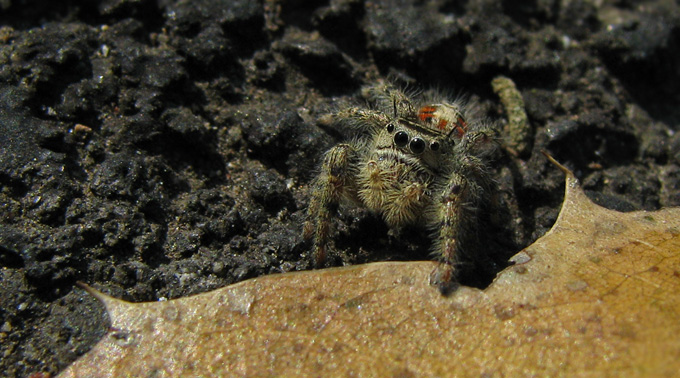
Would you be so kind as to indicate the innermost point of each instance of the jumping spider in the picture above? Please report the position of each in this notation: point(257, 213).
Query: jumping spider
point(417, 159)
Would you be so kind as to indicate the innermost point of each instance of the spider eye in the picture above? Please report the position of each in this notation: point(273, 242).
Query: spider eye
point(417, 145)
point(390, 127)
point(401, 139)
point(434, 146)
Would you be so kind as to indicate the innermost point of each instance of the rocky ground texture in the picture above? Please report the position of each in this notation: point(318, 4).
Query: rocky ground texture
point(161, 148)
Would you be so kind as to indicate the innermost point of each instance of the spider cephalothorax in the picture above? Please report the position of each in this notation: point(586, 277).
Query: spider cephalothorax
point(415, 160)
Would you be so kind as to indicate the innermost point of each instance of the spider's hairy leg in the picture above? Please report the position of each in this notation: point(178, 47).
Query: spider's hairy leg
point(405, 204)
point(360, 118)
point(333, 182)
point(456, 214)
point(480, 142)
point(373, 183)
point(389, 98)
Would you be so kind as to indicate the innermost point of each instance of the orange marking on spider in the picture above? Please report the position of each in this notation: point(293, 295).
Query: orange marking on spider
point(461, 127)
point(426, 113)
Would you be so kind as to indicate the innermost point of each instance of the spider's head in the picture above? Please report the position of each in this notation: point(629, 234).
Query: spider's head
point(411, 140)
point(413, 143)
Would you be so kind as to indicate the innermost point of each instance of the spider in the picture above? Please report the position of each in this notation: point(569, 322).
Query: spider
point(416, 159)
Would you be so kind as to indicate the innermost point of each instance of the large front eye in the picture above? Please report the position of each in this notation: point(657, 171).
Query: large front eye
point(401, 139)
point(417, 145)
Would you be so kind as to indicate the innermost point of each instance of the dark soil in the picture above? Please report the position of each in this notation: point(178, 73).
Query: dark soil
point(160, 148)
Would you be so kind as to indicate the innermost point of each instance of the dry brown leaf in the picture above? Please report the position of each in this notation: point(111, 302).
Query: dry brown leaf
point(598, 295)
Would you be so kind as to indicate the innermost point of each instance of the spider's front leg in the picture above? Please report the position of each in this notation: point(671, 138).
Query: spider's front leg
point(456, 212)
point(333, 182)
point(363, 120)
